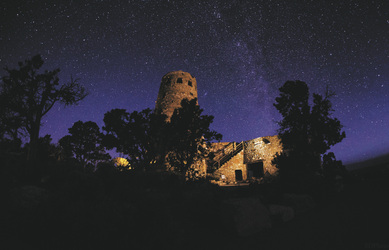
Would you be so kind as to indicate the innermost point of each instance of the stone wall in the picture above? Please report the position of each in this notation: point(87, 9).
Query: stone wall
point(200, 168)
point(179, 85)
point(229, 168)
point(175, 86)
point(217, 146)
point(263, 149)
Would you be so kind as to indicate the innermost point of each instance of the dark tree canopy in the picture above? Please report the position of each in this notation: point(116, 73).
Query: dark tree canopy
point(326, 130)
point(332, 167)
point(84, 143)
point(147, 139)
point(294, 108)
point(27, 95)
point(139, 135)
point(306, 133)
point(189, 136)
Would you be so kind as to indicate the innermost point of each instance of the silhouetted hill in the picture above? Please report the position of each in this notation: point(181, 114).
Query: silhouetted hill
point(380, 161)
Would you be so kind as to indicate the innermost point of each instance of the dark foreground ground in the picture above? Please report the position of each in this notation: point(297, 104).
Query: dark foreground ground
point(109, 211)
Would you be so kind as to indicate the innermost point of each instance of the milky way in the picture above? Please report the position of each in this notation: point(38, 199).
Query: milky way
point(240, 52)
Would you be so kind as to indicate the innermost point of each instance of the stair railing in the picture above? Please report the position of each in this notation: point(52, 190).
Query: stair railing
point(220, 161)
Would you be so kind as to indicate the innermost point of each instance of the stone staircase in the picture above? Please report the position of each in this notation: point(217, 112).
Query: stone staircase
point(229, 151)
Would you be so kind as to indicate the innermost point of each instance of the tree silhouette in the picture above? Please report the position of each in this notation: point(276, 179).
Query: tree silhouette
point(189, 136)
point(10, 122)
point(140, 135)
point(148, 140)
point(325, 130)
point(306, 134)
point(28, 95)
point(46, 150)
point(84, 143)
point(332, 167)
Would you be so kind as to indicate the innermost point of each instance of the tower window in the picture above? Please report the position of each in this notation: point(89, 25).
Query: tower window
point(190, 83)
point(179, 80)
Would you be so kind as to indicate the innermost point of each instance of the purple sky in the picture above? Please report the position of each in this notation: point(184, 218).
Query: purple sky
point(240, 52)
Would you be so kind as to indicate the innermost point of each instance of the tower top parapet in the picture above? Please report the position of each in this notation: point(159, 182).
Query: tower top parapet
point(175, 87)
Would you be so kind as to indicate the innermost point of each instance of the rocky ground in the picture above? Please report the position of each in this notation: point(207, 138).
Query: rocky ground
point(89, 212)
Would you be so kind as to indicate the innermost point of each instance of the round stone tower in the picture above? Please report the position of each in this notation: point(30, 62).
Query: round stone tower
point(175, 86)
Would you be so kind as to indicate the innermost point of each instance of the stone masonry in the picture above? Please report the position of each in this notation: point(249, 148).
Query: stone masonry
point(228, 170)
point(258, 152)
point(250, 162)
point(175, 87)
point(263, 149)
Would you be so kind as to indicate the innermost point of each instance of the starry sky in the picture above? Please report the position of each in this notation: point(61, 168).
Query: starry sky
point(241, 53)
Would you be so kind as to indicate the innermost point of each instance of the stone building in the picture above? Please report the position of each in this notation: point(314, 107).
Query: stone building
point(245, 161)
point(175, 87)
point(232, 162)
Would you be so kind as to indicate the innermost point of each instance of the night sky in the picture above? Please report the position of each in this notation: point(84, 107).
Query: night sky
point(240, 52)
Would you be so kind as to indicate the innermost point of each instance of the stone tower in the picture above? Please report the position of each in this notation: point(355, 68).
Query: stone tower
point(175, 86)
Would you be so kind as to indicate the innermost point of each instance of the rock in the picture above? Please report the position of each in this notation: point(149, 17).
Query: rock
point(245, 216)
point(301, 203)
point(283, 212)
point(28, 197)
